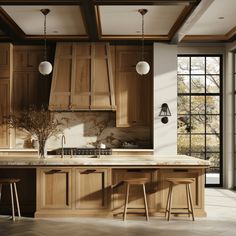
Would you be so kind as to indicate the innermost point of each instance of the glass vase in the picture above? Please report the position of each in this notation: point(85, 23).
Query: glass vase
point(42, 151)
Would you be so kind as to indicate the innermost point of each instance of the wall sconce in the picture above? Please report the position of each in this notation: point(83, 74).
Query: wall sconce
point(165, 111)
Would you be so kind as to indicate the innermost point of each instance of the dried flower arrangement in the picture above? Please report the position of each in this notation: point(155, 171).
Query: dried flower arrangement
point(39, 122)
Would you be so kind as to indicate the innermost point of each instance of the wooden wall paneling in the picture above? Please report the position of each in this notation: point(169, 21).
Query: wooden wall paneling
point(5, 60)
point(92, 189)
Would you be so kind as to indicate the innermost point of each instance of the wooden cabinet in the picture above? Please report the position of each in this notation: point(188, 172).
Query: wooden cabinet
point(54, 188)
point(136, 192)
point(73, 191)
point(179, 192)
point(29, 86)
point(82, 77)
point(6, 55)
point(133, 91)
point(92, 189)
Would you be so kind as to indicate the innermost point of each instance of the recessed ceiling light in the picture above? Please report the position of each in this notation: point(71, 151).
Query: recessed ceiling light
point(138, 31)
point(55, 31)
point(221, 17)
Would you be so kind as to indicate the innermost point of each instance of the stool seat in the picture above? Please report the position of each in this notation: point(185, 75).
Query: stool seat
point(8, 180)
point(135, 181)
point(177, 181)
point(12, 183)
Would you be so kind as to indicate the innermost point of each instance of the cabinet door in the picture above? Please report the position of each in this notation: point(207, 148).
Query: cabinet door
point(54, 188)
point(25, 90)
point(179, 191)
point(133, 92)
point(92, 189)
point(136, 192)
point(4, 111)
point(27, 58)
point(5, 60)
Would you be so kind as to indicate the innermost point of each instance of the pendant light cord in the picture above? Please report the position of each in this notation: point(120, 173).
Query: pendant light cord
point(142, 37)
point(45, 40)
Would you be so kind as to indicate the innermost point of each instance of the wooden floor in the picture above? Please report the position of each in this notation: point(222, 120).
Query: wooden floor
point(221, 220)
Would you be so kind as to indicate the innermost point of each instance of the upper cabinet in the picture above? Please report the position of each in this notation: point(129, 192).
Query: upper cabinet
point(133, 91)
point(30, 88)
point(6, 56)
point(82, 77)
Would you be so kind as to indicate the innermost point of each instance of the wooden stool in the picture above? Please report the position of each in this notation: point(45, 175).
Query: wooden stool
point(11, 182)
point(177, 181)
point(136, 181)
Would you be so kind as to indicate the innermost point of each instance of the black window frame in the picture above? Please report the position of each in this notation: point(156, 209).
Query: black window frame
point(220, 94)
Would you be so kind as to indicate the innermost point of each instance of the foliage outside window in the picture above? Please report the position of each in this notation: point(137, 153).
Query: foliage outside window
point(199, 111)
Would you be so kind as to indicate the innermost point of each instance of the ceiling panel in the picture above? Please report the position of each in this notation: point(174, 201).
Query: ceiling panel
point(62, 20)
point(126, 20)
point(211, 22)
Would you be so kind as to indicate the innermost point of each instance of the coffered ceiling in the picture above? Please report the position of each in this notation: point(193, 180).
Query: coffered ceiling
point(117, 20)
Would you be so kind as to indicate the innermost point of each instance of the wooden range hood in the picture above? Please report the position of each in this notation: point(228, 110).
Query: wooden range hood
point(82, 78)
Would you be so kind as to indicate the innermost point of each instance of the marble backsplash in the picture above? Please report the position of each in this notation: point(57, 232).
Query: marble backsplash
point(88, 129)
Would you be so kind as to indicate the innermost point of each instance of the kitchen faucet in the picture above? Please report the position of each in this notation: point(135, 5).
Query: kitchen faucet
point(63, 141)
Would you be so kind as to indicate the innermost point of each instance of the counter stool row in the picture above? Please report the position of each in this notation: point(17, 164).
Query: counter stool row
point(172, 182)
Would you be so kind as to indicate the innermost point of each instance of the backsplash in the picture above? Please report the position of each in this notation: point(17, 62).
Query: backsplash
point(88, 129)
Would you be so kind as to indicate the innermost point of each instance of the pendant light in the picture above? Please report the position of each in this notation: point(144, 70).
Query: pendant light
point(142, 66)
point(45, 67)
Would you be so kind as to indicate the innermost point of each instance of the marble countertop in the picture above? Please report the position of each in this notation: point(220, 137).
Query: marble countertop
point(109, 160)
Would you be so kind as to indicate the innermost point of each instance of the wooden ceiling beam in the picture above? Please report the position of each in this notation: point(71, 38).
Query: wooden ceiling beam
point(9, 27)
point(39, 2)
point(192, 18)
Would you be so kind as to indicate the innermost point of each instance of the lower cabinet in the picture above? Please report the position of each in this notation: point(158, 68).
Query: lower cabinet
point(72, 191)
point(54, 188)
point(92, 189)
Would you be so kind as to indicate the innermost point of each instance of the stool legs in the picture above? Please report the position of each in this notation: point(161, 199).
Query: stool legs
point(145, 202)
point(17, 200)
point(12, 203)
point(191, 201)
point(126, 201)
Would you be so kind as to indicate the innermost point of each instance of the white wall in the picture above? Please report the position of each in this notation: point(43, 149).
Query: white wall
point(165, 91)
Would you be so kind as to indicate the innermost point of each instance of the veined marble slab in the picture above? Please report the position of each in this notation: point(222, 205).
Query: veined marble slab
point(150, 160)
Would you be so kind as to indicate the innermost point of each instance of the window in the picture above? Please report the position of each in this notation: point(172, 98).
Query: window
point(199, 111)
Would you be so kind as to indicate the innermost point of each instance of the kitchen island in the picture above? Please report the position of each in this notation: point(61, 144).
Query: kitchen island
point(87, 185)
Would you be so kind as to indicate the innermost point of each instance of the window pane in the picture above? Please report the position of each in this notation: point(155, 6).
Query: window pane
point(183, 124)
point(199, 155)
point(212, 104)
point(198, 105)
point(214, 159)
point(197, 65)
point(197, 124)
point(197, 84)
point(212, 65)
point(183, 65)
point(212, 143)
point(183, 84)
point(213, 173)
point(183, 144)
point(183, 105)
point(213, 124)
point(197, 143)
point(212, 84)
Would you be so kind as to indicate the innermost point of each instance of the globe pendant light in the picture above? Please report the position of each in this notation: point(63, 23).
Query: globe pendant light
point(142, 66)
point(45, 67)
